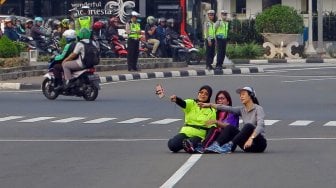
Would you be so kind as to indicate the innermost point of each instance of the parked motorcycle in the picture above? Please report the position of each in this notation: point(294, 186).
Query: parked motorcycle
point(105, 49)
point(186, 50)
point(84, 84)
point(118, 47)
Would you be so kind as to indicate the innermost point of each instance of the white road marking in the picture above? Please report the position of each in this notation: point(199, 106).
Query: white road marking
point(165, 121)
point(35, 119)
point(270, 122)
point(330, 123)
point(134, 120)
point(67, 120)
point(181, 171)
point(100, 120)
point(10, 118)
point(301, 123)
point(307, 80)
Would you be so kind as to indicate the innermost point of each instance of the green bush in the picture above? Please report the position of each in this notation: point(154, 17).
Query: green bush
point(21, 46)
point(7, 48)
point(243, 31)
point(244, 51)
point(279, 19)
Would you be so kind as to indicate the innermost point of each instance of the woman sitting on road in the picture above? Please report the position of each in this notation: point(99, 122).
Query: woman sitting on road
point(251, 138)
point(194, 129)
point(223, 120)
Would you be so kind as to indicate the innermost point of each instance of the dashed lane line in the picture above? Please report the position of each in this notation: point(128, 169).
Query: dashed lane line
point(35, 119)
point(67, 120)
point(99, 120)
point(10, 118)
point(134, 120)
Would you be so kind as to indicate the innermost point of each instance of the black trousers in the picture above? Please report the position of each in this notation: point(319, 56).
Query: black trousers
point(239, 138)
point(132, 54)
point(210, 52)
point(175, 144)
point(221, 51)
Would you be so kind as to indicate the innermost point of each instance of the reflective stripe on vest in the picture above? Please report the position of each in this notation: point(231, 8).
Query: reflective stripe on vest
point(223, 29)
point(135, 28)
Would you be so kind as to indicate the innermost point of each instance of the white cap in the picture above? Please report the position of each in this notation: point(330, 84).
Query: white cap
point(211, 12)
point(247, 88)
point(224, 12)
point(134, 13)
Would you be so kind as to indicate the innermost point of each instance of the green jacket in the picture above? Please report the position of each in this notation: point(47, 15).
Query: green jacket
point(194, 115)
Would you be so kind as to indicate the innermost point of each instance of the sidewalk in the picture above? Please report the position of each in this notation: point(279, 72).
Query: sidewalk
point(34, 82)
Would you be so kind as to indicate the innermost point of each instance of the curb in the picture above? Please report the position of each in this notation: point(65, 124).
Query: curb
point(183, 73)
point(275, 61)
point(150, 75)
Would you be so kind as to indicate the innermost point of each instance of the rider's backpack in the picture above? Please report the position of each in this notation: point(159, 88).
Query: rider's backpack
point(91, 57)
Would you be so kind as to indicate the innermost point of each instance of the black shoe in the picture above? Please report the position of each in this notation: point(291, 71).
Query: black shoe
point(188, 146)
point(219, 68)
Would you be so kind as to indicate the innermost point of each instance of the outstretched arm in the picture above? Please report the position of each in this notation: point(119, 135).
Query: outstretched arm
point(178, 101)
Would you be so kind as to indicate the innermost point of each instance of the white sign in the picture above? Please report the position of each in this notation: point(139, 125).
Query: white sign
point(116, 8)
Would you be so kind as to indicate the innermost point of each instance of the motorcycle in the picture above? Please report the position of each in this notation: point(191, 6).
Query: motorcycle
point(105, 48)
point(83, 84)
point(186, 50)
point(118, 47)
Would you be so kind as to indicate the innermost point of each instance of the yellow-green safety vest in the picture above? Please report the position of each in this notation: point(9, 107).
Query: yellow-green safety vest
point(222, 30)
point(135, 28)
point(85, 22)
point(196, 116)
point(210, 33)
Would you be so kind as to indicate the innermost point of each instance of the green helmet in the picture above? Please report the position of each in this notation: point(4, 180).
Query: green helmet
point(84, 33)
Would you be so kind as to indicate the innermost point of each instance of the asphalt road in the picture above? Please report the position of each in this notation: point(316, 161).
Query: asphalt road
point(120, 139)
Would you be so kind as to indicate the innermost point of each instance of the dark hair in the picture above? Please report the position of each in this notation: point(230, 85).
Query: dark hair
point(226, 94)
point(209, 90)
point(253, 97)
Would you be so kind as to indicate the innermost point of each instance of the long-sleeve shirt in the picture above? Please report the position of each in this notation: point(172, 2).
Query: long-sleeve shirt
point(255, 116)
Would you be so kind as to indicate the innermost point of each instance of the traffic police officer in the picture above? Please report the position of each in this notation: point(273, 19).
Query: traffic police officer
point(209, 37)
point(222, 28)
point(84, 21)
point(134, 34)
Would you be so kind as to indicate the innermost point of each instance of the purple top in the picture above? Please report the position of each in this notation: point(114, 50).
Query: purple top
point(231, 119)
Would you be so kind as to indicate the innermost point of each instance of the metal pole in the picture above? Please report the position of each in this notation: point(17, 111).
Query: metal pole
point(320, 48)
point(310, 51)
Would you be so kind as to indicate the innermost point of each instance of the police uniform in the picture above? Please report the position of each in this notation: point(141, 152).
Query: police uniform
point(133, 45)
point(222, 28)
point(209, 35)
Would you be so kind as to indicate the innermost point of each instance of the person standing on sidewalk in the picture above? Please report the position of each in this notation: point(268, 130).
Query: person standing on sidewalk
point(134, 33)
point(222, 29)
point(84, 21)
point(209, 37)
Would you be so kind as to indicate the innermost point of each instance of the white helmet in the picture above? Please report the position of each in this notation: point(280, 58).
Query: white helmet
point(211, 12)
point(134, 13)
point(69, 34)
point(85, 7)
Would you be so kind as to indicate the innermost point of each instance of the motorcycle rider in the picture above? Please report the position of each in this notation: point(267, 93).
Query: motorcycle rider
point(28, 25)
point(56, 64)
point(74, 61)
point(171, 35)
point(37, 32)
point(9, 30)
point(112, 29)
point(151, 35)
point(161, 32)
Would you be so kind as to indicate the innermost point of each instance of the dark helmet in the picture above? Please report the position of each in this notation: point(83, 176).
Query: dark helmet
point(162, 20)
